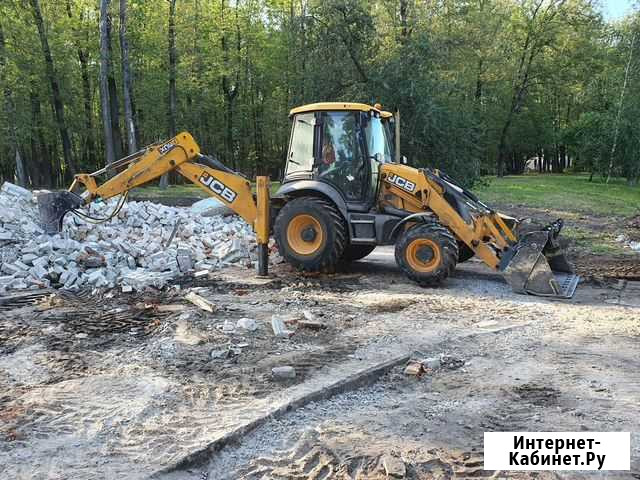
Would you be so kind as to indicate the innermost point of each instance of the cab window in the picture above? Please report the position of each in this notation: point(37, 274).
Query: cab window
point(300, 157)
point(341, 160)
point(378, 142)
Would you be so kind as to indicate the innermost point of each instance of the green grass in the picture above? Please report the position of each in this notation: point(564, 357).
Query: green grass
point(598, 243)
point(572, 193)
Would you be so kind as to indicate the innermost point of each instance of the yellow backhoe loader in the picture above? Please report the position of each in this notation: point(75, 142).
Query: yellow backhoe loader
point(346, 190)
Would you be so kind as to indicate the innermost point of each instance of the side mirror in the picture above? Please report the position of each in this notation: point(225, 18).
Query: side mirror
point(404, 160)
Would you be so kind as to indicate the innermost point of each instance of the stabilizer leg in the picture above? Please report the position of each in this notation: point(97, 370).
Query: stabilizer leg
point(263, 259)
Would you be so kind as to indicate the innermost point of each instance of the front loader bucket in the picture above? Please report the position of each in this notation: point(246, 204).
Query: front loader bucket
point(537, 265)
point(54, 206)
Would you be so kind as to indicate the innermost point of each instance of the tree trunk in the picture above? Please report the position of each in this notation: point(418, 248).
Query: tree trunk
point(58, 106)
point(114, 104)
point(303, 39)
point(89, 142)
point(104, 82)
point(90, 139)
point(478, 92)
point(10, 110)
point(618, 113)
point(172, 98)
point(502, 147)
point(173, 60)
point(41, 168)
point(127, 81)
point(230, 91)
point(404, 17)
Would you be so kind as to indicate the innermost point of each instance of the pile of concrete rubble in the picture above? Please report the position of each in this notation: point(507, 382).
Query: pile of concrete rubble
point(147, 244)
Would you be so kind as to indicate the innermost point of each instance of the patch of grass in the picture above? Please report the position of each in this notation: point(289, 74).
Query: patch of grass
point(563, 192)
point(597, 243)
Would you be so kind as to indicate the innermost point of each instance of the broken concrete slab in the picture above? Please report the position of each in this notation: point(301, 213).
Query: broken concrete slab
point(200, 302)
point(97, 278)
point(38, 272)
point(279, 329)
point(228, 326)
point(432, 363)
point(283, 373)
point(185, 334)
point(12, 268)
point(16, 191)
point(184, 260)
point(247, 324)
point(210, 207)
point(394, 467)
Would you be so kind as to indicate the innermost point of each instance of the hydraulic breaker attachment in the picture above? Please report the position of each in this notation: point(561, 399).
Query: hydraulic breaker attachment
point(54, 206)
point(537, 265)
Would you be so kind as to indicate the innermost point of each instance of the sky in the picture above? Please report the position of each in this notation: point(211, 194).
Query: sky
point(616, 9)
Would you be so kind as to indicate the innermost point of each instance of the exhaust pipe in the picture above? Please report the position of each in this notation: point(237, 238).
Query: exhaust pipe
point(54, 206)
point(537, 265)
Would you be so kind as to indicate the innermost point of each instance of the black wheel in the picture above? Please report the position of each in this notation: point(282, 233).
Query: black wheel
point(310, 234)
point(464, 252)
point(427, 253)
point(356, 252)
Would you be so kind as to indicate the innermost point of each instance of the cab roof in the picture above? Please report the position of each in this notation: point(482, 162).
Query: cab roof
point(314, 107)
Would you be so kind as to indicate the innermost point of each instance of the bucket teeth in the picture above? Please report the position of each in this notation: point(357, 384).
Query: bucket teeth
point(537, 265)
point(54, 206)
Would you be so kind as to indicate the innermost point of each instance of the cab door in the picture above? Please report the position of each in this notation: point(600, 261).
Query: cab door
point(300, 158)
point(341, 156)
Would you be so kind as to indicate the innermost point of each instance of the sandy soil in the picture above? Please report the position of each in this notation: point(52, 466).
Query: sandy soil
point(527, 365)
point(125, 386)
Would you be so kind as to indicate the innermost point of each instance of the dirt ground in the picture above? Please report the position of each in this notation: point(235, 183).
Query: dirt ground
point(116, 385)
point(592, 241)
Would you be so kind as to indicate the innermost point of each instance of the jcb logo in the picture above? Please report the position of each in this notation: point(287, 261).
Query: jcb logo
point(216, 186)
point(401, 182)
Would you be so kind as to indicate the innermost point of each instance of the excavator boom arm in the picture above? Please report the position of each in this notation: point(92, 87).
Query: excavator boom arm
point(180, 154)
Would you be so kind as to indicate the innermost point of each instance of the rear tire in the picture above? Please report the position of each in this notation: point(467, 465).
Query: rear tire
point(356, 252)
point(310, 234)
point(427, 253)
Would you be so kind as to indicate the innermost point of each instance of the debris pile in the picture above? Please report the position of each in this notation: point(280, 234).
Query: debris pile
point(145, 245)
point(628, 243)
point(418, 367)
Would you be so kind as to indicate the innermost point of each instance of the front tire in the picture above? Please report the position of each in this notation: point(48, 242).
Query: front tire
point(310, 234)
point(427, 253)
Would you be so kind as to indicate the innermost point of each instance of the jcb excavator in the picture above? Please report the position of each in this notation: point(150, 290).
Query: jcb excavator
point(345, 191)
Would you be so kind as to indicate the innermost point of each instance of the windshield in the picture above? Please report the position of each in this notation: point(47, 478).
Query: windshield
point(378, 141)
